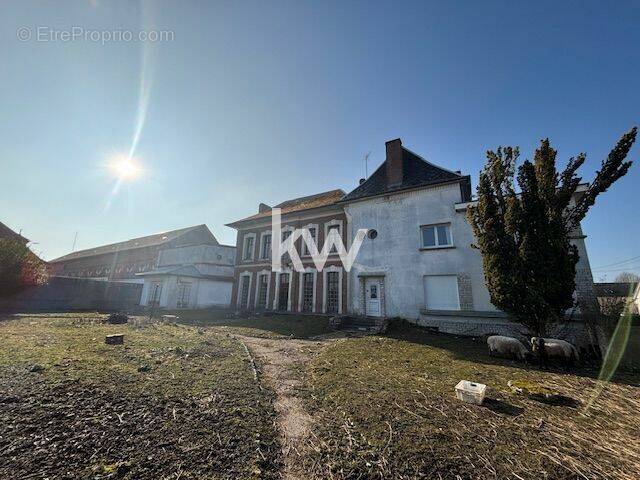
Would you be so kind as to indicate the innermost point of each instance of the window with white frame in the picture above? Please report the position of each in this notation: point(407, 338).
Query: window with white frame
point(247, 249)
point(153, 296)
point(313, 234)
point(265, 246)
point(245, 281)
point(441, 292)
point(436, 236)
point(308, 285)
point(333, 292)
point(337, 228)
point(263, 288)
point(184, 292)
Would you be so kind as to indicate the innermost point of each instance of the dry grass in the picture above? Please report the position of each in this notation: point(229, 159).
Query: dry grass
point(386, 408)
point(172, 402)
point(263, 326)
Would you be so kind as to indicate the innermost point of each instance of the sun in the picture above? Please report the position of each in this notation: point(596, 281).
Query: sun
point(125, 168)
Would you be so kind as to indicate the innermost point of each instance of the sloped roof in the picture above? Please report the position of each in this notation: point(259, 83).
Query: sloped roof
point(6, 232)
point(614, 289)
point(140, 242)
point(185, 271)
point(416, 172)
point(298, 204)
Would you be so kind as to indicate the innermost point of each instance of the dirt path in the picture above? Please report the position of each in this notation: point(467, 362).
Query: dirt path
point(282, 362)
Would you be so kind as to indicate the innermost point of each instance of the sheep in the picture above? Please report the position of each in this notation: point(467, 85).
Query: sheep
point(507, 346)
point(554, 348)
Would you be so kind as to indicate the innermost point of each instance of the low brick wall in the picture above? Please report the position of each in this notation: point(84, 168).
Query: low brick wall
point(69, 294)
point(477, 324)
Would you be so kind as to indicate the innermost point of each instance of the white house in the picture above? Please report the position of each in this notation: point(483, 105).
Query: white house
point(417, 261)
point(195, 276)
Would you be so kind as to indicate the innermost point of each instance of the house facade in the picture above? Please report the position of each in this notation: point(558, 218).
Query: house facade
point(257, 287)
point(416, 262)
point(420, 264)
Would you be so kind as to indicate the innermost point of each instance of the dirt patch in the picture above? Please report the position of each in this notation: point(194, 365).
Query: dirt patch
point(172, 402)
point(282, 363)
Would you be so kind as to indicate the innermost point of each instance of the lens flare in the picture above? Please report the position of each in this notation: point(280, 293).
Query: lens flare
point(125, 168)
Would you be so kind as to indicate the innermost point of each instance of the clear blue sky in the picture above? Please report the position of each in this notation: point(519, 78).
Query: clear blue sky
point(263, 101)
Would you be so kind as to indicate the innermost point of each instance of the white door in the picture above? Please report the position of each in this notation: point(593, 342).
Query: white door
point(372, 295)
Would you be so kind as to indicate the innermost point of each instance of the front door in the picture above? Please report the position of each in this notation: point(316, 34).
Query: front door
point(372, 296)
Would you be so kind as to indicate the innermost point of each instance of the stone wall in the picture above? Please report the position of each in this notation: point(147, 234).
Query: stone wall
point(477, 324)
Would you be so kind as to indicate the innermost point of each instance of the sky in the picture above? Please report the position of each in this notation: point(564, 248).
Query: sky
point(239, 102)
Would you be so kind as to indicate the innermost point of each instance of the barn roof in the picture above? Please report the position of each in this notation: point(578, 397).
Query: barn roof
point(139, 242)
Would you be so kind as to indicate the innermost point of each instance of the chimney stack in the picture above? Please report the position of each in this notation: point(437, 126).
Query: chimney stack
point(394, 162)
point(362, 180)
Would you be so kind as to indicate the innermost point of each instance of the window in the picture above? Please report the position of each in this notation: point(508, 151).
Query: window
point(184, 291)
point(247, 252)
point(436, 236)
point(333, 293)
point(265, 247)
point(307, 292)
point(313, 233)
point(263, 285)
point(153, 297)
point(337, 229)
point(441, 292)
point(283, 292)
point(244, 291)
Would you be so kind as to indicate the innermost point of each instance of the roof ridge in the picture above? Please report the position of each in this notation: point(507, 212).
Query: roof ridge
point(113, 245)
point(427, 161)
point(305, 197)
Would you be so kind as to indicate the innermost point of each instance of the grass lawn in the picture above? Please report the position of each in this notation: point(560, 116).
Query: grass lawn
point(385, 408)
point(266, 326)
point(172, 402)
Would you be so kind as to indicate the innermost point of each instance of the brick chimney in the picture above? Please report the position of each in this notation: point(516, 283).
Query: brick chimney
point(394, 162)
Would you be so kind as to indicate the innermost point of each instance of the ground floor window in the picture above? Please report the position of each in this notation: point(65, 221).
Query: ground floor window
point(153, 297)
point(184, 292)
point(283, 292)
point(307, 292)
point(333, 292)
point(263, 284)
point(441, 292)
point(244, 291)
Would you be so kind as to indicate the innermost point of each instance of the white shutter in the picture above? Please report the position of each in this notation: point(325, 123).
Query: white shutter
point(441, 292)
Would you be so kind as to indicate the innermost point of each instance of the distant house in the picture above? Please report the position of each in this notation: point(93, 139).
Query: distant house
point(618, 292)
point(6, 232)
point(122, 261)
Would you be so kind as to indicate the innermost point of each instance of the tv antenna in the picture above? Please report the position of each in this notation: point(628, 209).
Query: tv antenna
point(366, 165)
point(75, 238)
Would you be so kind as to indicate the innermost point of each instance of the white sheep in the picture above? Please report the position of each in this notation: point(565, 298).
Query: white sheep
point(507, 346)
point(556, 348)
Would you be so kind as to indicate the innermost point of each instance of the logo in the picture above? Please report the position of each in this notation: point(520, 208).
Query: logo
point(333, 244)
